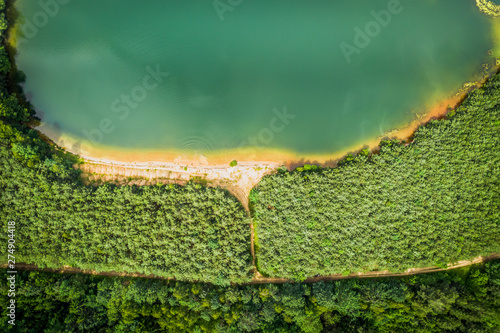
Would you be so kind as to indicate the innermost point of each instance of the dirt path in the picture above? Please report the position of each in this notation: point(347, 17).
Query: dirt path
point(411, 271)
point(259, 279)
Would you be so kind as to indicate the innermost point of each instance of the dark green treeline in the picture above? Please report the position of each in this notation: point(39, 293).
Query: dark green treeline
point(463, 300)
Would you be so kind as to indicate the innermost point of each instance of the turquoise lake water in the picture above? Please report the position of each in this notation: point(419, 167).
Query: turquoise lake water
point(201, 76)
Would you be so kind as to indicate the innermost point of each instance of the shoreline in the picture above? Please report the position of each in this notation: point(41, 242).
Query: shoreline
point(263, 157)
point(125, 168)
point(255, 156)
point(238, 180)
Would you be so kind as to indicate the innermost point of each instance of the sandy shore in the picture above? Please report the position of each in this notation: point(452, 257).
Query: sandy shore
point(143, 167)
point(151, 168)
point(126, 167)
point(253, 155)
point(238, 180)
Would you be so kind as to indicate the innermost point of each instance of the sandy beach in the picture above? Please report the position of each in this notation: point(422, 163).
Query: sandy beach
point(141, 168)
point(149, 167)
point(238, 180)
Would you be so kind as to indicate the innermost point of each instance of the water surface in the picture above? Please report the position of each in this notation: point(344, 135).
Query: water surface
point(231, 72)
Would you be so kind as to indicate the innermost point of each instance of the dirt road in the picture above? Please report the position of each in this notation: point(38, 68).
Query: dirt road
point(259, 279)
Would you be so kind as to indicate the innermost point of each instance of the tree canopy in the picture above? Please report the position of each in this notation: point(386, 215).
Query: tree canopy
point(464, 300)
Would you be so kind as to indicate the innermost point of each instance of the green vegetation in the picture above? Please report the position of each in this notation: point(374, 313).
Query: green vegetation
point(190, 233)
point(233, 163)
point(465, 300)
point(432, 202)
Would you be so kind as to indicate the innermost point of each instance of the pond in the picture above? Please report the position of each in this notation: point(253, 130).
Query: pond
point(204, 77)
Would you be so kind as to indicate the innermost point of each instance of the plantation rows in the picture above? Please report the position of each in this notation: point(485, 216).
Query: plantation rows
point(432, 202)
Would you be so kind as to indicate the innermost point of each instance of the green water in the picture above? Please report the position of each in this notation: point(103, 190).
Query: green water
point(232, 69)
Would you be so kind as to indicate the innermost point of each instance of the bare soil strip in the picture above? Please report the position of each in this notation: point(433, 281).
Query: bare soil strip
point(377, 274)
point(263, 280)
point(238, 180)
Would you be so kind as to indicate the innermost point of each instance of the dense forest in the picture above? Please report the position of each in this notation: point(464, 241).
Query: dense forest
point(190, 233)
point(431, 202)
point(464, 300)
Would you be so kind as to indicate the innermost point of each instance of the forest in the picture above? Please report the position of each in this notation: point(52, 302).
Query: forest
point(430, 202)
point(424, 203)
point(463, 300)
point(190, 233)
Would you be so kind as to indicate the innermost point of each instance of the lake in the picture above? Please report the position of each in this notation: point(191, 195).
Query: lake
point(202, 77)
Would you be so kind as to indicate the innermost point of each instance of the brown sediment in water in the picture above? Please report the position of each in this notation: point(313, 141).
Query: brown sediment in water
point(434, 112)
point(495, 36)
